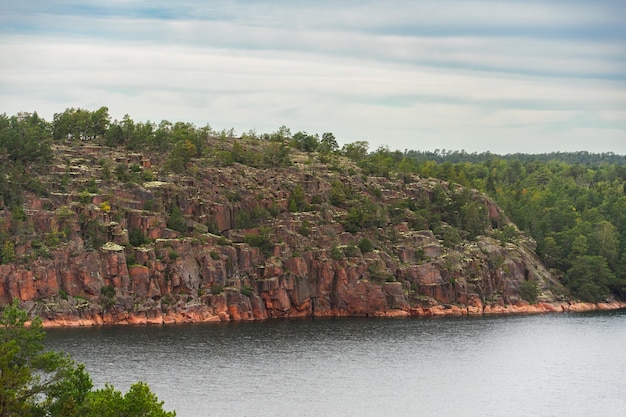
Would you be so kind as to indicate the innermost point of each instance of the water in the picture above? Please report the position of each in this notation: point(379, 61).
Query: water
point(548, 365)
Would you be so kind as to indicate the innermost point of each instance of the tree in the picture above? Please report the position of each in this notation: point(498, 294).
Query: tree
point(139, 401)
point(35, 382)
point(328, 143)
point(176, 220)
point(306, 142)
point(356, 151)
point(32, 380)
point(181, 155)
point(590, 278)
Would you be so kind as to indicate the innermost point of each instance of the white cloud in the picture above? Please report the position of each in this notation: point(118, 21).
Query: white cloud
point(404, 76)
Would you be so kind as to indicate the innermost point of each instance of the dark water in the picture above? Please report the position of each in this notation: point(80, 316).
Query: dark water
point(549, 365)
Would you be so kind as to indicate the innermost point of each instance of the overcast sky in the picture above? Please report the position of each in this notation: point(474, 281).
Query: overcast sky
point(499, 76)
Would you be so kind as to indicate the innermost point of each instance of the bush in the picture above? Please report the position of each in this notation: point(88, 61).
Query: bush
point(217, 289)
point(305, 228)
point(176, 220)
point(261, 241)
point(247, 291)
point(136, 237)
point(529, 291)
point(365, 245)
point(351, 251)
point(336, 253)
point(108, 291)
point(107, 295)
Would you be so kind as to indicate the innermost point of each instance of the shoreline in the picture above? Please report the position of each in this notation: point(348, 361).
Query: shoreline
point(153, 317)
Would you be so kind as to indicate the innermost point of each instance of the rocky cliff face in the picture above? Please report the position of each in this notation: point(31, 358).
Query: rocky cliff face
point(257, 243)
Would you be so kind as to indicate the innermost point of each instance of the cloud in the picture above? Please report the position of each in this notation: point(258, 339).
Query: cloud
point(469, 74)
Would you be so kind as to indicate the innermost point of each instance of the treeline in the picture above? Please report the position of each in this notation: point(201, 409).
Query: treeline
point(576, 212)
point(580, 157)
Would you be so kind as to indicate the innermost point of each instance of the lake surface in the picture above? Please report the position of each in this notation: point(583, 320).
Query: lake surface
point(546, 365)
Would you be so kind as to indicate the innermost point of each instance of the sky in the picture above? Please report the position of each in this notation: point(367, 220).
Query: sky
point(500, 76)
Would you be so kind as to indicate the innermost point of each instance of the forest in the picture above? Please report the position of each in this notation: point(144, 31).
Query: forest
point(572, 205)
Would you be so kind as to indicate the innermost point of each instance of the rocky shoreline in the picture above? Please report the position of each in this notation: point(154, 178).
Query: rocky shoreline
point(205, 315)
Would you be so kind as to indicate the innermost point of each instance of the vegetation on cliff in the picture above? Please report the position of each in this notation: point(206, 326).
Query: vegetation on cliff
point(36, 382)
point(572, 204)
point(119, 217)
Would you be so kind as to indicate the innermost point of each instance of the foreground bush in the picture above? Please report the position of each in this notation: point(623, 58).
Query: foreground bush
point(35, 382)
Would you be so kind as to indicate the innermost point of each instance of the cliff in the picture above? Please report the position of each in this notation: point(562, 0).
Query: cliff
point(116, 238)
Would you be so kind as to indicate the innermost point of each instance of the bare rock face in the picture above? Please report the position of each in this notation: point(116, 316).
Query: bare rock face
point(246, 249)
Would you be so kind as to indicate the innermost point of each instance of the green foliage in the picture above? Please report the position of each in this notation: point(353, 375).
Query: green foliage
point(8, 252)
point(365, 245)
point(590, 278)
point(328, 143)
point(36, 382)
point(217, 289)
point(247, 290)
point(214, 255)
point(80, 124)
point(507, 234)
point(136, 237)
point(131, 259)
point(243, 220)
point(529, 291)
point(351, 251)
point(366, 215)
point(305, 142)
point(139, 401)
point(262, 240)
point(297, 201)
point(305, 228)
point(92, 232)
point(379, 275)
point(337, 195)
point(336, 253)
point(107, 295)
point(178, 160)
point(450, 236)
point(276, 155)
point(176, 221)
point(356, 150)
point(25, 147)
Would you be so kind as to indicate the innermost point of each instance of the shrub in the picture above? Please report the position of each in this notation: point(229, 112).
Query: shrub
point(8, 252)
point(131, 259)
point(336, 253)
point(365, 245)
point(107, 295)
point(351, 251)
point(529, 291)
point(136, 237)
point(84, 197)
point(247, 291)
point(108, 291)
point(217, 289)
point(305, 228)
point(176, 220)
point(105, 206)
point(261, 241)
